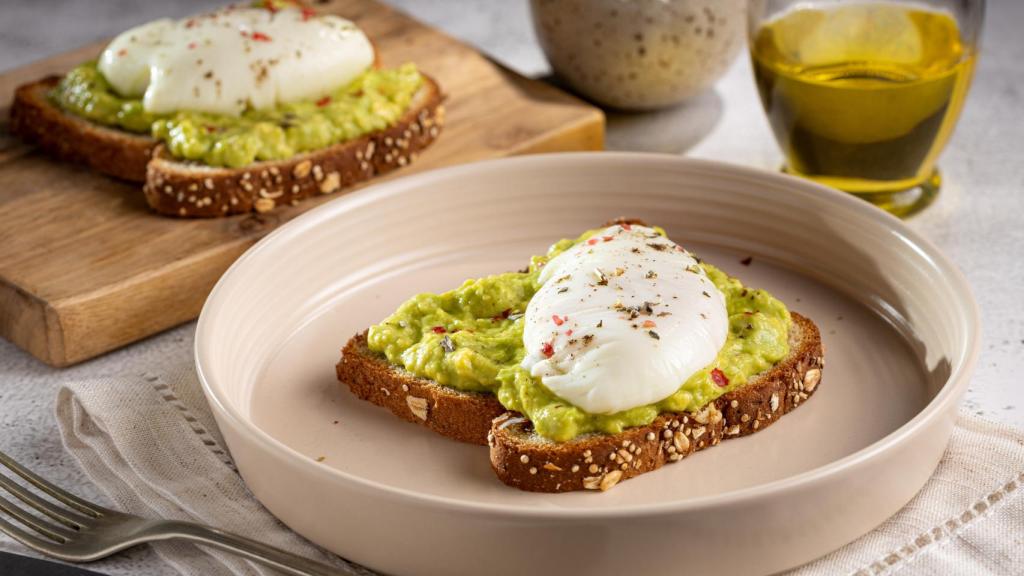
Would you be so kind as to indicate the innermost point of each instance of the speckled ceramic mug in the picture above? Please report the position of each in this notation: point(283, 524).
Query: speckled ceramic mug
point(639, 54)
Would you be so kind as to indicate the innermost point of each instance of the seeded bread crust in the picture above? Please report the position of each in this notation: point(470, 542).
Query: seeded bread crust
point(462, 416)
point(178, 188)
point(525, 460)
point(113, 152)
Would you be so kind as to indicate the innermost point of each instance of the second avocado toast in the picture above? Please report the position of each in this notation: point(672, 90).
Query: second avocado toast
point(241, 109)
point(589, 395)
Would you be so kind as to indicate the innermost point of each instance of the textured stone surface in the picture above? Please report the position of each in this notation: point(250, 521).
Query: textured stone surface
point(978, 220)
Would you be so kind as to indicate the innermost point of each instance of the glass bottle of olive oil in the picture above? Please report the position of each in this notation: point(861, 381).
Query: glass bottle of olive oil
point(863, 96)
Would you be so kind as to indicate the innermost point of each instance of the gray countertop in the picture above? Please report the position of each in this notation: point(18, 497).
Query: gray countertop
point(978, 220)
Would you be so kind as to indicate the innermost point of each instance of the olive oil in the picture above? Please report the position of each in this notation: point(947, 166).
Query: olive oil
point(863, 96)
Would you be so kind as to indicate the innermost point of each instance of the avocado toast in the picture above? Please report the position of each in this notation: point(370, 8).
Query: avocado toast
point(239, 110)
point(590, 395)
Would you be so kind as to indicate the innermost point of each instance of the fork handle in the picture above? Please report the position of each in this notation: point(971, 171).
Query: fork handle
point(250, 549)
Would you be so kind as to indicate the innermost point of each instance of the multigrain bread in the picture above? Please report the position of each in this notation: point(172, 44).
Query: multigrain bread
point(175, 187)
point(462, 416)
point(528, 461)
point(180, 188)
point(107, 150)
point(114, 152)
point(523, 459)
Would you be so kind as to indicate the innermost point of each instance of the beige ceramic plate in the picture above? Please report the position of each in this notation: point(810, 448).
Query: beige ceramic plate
point(898, 321)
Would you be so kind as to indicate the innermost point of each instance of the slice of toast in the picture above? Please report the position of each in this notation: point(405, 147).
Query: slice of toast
point(183, 188)
point(462, 416)
point(114, 152)
point(528, 461)
point(523, 459)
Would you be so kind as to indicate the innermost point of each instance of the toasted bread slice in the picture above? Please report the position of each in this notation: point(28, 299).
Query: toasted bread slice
point(462, 416)
point(181, 188)
point(528, 461)
point(114, 152)
point(523, 459)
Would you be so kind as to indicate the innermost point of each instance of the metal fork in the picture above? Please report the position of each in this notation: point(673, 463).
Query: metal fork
point(83, 532)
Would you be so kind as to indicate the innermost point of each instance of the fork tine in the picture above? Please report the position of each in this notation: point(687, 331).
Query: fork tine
point(63, 515)
point(83, 506)
point(52, 531)
point(30, 540)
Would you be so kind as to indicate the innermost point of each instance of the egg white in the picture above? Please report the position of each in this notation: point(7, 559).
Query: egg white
point(622, 320)
point(234, 58)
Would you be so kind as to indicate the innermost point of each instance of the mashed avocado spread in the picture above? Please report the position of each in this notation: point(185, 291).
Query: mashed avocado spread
point(471, 338)
point(373, 101)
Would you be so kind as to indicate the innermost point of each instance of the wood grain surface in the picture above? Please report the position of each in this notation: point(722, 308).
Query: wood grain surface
point(86, 267)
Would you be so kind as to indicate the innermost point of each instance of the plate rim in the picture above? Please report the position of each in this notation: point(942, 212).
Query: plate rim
point(950, 391)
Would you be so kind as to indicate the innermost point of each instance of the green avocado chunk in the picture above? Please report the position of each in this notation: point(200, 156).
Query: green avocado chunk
point(471, 338)
point(373, 101)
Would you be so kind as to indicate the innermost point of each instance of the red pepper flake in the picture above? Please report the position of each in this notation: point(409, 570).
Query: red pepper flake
point(627, 226)
point(547, 350)
point(192, 45)
point(649, 324)
point(558, 321)
point(260, 37)
point(568, 332)
point(506, 313)
point(323, 101)
point(592, 241)
point(122, 52)
point(607, 238)
point(719, 378)
point(190, 23)
point(307, 13)
point(439, 329)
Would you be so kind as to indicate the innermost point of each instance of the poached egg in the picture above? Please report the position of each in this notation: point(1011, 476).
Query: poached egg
point(235, 58)
point(622, 320)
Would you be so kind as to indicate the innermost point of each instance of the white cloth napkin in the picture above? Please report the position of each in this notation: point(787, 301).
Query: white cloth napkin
point(151, 444)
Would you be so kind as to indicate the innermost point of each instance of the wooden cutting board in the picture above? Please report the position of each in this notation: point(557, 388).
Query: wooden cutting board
point(86, 268)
